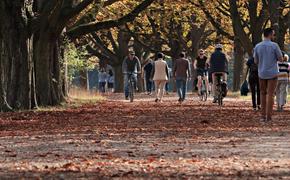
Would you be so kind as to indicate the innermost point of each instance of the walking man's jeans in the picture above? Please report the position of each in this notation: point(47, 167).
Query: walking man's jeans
point(181, 87)
point(126, 83)
point(267, 90)
point(148, 84)
point(281, 93)
point(255, 90)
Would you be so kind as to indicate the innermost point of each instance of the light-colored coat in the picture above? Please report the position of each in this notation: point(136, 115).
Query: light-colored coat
point(160, 70)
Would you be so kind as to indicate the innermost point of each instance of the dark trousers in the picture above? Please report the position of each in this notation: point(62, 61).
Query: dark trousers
point(255, 91)
point(148, 85)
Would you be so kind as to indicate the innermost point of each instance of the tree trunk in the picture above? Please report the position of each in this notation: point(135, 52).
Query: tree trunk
point(47, 69)
point(238, 64)
point(84, 79)
point(119, 80)
point(14, 56)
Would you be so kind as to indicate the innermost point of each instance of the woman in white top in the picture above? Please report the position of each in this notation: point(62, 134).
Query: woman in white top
point(160, 76)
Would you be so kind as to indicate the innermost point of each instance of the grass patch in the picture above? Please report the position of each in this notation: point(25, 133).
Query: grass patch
point(76, 98)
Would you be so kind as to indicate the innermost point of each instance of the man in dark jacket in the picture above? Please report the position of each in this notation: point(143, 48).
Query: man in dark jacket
point(218, 65)
point(254, 83)
point(147, 74)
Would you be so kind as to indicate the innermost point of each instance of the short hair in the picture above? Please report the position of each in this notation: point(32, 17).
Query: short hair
point(182, 54)
point(160, 55)
point(268, 31)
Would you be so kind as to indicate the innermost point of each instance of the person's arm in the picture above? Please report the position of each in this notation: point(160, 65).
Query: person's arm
point(278, 53)
point(124, 66)
point(153, 71)
point(167, 71)
point(189, 69)
point(174, 69)
point(138, 65)
point(256, 57)
point(194, 64)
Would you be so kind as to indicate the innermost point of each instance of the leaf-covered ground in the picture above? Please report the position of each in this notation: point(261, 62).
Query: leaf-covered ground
point(145, 140)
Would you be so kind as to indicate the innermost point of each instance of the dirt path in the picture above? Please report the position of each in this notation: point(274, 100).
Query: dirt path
point(117, 139)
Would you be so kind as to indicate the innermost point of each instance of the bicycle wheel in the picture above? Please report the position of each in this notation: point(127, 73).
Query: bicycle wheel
point(220, 96)
point(204, 96)
point(131, 91)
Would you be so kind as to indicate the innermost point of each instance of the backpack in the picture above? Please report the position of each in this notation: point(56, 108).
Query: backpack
point(245, 88)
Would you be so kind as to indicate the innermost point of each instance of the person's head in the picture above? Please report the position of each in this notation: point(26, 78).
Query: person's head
point(160, 55)
point(182, 55)
point(201, 53)
point(131, 54)
point(269, 33)
point(219, 47)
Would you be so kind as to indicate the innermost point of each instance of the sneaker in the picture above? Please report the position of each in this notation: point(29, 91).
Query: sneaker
point(259, 107)
point(263, 119)
point(156, 100)
point(126, 98)
point(180, 100)
point(214, 100)
point(255, 109)
point(268, 119)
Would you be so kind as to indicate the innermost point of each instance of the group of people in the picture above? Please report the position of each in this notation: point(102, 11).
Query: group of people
point(106, 80)
point(269, 76)
point(269, 73)
point(160, 73)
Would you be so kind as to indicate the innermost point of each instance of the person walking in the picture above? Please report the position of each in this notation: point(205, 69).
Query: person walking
point(147, 75)
point(254, 83)
point(102, 80)
point(111, 80)
point(283, 81)
point(181, 73)
point(160, 76)
point(266, 55)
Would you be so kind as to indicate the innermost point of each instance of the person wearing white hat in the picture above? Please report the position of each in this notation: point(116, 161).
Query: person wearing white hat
point(218, 65)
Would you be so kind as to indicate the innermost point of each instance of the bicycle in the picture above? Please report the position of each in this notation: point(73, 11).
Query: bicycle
point(132, 86)
point(219, 89)
point(203, 93)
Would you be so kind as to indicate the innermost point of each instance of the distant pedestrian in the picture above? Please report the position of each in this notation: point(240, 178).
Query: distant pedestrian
point(181, 73)
point(283, 81)
point(147, 75)
point(111, 81)
point(254, 83)
point(102, 80)
point(266, 55)
point(160, 76)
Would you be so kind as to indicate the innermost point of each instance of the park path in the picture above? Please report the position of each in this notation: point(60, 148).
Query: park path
point(145, 140)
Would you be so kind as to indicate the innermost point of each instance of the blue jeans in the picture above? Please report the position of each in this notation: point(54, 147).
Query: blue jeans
point(181, 87)
point(126, 83)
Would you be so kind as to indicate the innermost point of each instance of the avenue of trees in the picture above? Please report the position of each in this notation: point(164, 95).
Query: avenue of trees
point(35, 35)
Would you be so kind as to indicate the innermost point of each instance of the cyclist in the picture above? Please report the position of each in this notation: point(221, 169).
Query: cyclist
point(201, 67)
point(131, 66)
point(218, 65)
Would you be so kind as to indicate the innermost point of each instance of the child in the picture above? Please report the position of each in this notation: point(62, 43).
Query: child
point(283, 80)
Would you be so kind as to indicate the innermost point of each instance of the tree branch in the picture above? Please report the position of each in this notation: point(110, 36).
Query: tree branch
point(93, 27)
